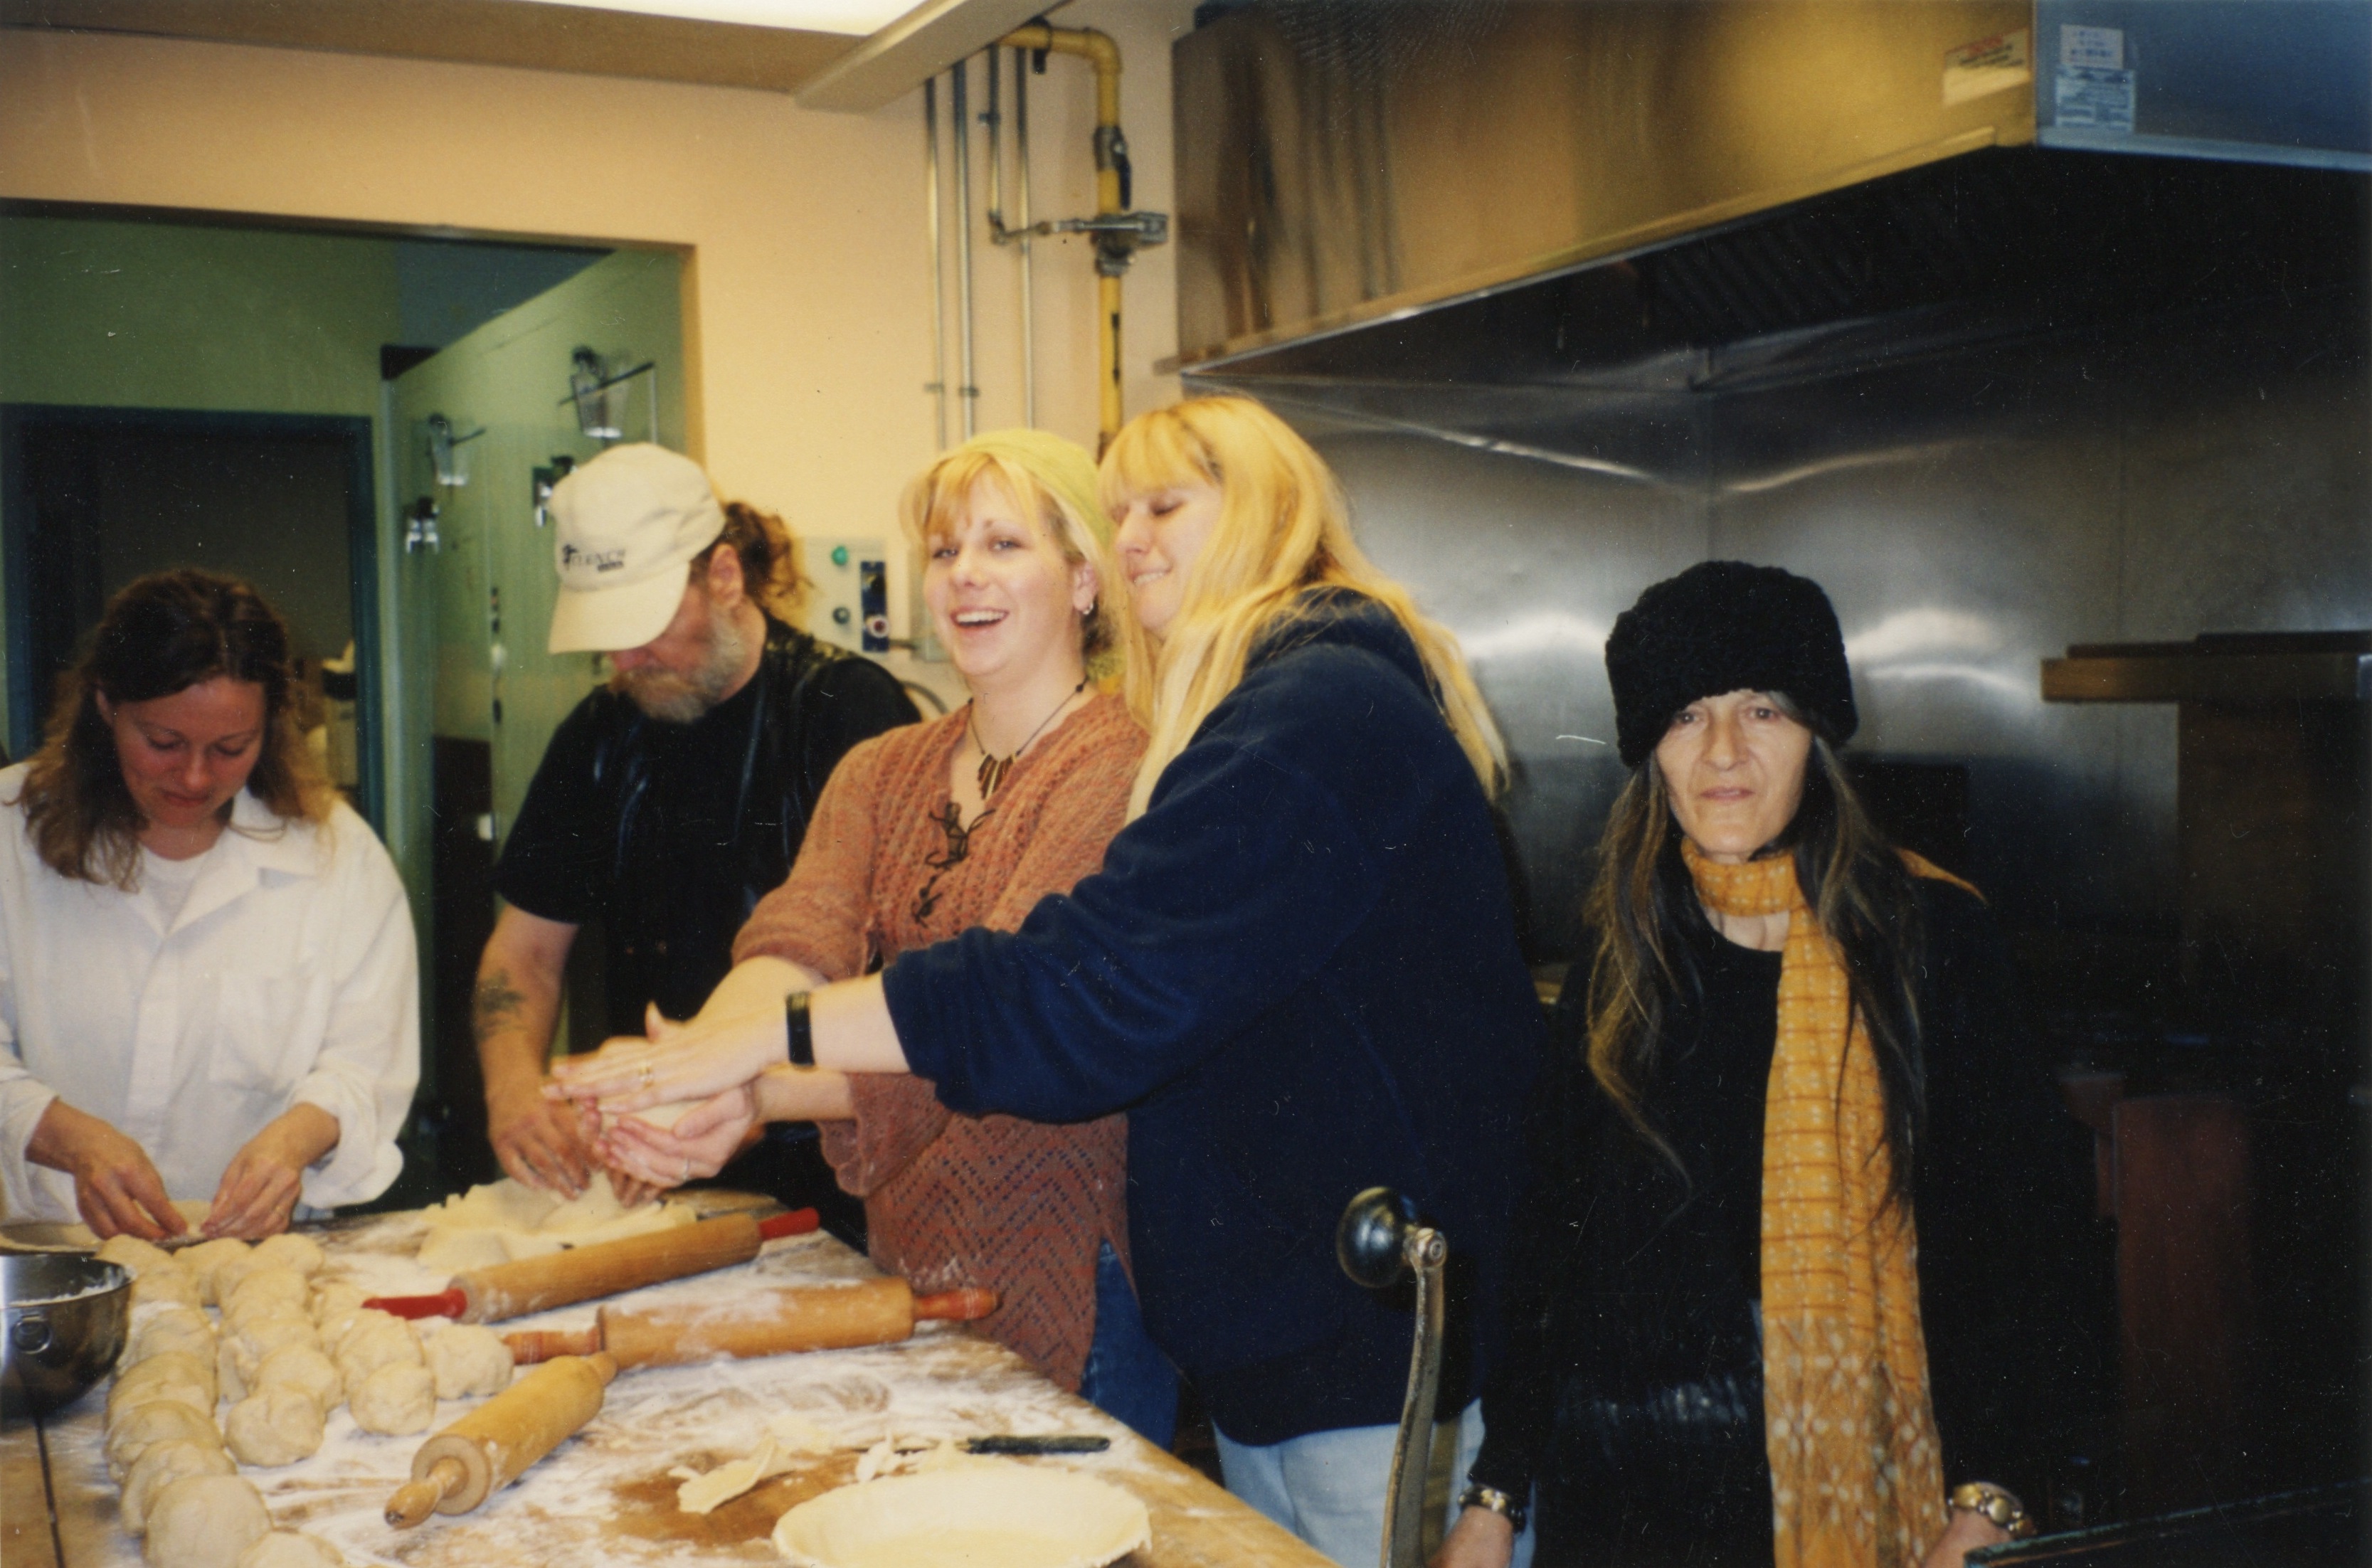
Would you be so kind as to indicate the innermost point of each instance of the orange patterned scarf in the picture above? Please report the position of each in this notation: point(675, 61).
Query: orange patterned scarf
point(1855, 1476)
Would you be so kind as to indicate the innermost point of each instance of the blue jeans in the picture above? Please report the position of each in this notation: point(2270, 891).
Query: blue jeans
point(1328, 1487)
point(1127, 1376)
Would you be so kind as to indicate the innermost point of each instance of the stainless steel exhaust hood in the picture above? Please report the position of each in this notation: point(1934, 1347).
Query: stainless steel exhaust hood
point(1342, 163)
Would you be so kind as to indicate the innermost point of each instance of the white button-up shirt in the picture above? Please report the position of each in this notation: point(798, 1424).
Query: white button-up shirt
point(288, 977)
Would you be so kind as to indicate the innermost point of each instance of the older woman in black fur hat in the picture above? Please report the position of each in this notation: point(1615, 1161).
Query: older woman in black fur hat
point(1790, 1283)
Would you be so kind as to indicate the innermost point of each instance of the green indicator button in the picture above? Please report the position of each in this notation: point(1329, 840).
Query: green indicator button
point(839, 555)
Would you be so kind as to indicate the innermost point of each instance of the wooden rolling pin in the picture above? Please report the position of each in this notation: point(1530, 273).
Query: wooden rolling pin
point(869, 1312)
point(487, 1448)
point(606, 1268)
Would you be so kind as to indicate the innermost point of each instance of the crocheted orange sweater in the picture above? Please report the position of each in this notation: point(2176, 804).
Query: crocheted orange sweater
point(951, 1200)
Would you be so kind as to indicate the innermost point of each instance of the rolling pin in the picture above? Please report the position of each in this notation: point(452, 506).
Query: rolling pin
point(771, 1322)
point(487, 1449)
point(606, 1268)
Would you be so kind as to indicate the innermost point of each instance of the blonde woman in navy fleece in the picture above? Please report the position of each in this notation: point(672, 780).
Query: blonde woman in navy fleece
point(1298, 971)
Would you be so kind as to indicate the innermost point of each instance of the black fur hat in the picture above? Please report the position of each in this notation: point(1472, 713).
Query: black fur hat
point(1725, 626)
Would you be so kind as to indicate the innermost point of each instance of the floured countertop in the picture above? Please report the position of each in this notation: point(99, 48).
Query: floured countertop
point(607, 1496)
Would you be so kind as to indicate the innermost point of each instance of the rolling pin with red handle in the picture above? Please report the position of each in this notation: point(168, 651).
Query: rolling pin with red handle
point(770, 1322)
point(606, 1268)
point(487, 1449)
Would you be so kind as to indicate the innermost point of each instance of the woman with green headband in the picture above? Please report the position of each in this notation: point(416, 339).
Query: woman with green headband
point(927, 831)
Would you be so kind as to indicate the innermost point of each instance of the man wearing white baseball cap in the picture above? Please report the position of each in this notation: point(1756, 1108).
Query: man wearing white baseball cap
point(671, 799)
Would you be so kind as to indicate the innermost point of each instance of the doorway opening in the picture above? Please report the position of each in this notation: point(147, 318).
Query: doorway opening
point(94, 497)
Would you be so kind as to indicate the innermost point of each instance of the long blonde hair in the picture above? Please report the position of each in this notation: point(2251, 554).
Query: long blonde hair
point(1283, 529)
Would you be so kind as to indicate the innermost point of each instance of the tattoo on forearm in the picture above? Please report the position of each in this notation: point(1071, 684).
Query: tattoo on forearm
point(494, 1005)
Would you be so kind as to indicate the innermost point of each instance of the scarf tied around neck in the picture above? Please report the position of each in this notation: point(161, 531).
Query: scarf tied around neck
point(1857, 1475)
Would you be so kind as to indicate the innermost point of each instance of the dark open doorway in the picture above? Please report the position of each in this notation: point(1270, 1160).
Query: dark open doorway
point(93, 497)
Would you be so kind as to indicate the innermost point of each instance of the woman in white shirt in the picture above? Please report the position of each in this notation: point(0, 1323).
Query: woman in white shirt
point(207, 980)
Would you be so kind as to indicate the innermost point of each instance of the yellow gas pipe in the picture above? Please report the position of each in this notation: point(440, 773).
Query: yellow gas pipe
point(1101, 52)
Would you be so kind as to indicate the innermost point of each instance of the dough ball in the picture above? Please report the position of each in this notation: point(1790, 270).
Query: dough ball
point(290, 1250)
point(266, 1332)
point(264, 1288)
point(229, 1380)
point(340, 1330)
point(175, 1286)
point(277, 1424)
point(287, 1548)
point(170, 1327)
point(159, 1465)
point(137, 1428)
point(204, 1521)
point(305, 1367)
point(171, 1374)
point(397, 1399)
point(206, 1257)
point(337, 1298)
point(136, 1255)
point(467, 1359)
point(376, 1340)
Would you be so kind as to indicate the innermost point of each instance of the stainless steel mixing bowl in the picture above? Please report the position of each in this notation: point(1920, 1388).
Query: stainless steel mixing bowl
point(64, 1324)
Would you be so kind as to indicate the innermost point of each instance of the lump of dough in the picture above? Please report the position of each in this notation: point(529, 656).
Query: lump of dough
point(228, 1378)
point(157, 1287)
point(290, 1250)
point(377, 1339)
point(258, 1337)
point(206, 1257)
point(467, 1359)
point(137, 1257)
point(170, 1327)
point(142, 1426)
point(204, 1521)
point(277, 1424)
point(266, 1288)
point(305, 1367)
point(171, 1373)
point(454, 1250)
point(337, 1297)
point(159, 1465)
point(287, 1548)
point(397, 1399)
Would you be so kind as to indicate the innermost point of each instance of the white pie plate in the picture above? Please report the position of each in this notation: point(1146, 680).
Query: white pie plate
point(1004, 1516)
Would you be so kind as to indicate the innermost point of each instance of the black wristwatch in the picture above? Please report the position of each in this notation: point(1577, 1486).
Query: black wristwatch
point(1481, 1496)
point(800, 1028)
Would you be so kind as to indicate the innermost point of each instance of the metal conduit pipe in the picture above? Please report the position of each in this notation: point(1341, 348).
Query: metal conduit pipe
point(938, 386)
point(1021, 211)
point(1117, 233)
point(959, 110)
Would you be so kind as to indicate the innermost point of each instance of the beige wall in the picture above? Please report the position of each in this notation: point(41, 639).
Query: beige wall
point(806, 290)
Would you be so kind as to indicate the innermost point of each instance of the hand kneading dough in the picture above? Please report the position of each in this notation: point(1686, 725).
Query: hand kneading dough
point(170, 1327)
point(287, 1548)
point(289, 1250)
point(377, 1339)
point(204, 1521)
point(136, 1255)
point(143, 1426)
point(277, 1424)
point(305, 1367)
point(175, 1286)
point(159, 1467)
point(469, 1359)
point(395, 1400)
point(207, 1257)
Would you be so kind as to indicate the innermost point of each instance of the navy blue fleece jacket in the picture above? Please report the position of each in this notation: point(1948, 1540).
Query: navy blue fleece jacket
point(1298, 973)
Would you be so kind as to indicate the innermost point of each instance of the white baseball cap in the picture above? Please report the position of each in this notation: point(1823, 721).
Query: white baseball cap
point(626, 526)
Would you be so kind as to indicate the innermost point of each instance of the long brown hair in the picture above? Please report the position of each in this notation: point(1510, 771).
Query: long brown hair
point(162, 633)
point(770, 573)
point(1641, 901)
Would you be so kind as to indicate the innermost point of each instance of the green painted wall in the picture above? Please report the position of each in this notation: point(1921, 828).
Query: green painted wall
point(180, 316)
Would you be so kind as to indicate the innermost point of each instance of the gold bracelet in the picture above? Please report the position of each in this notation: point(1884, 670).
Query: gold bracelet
point(1997, 1505)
